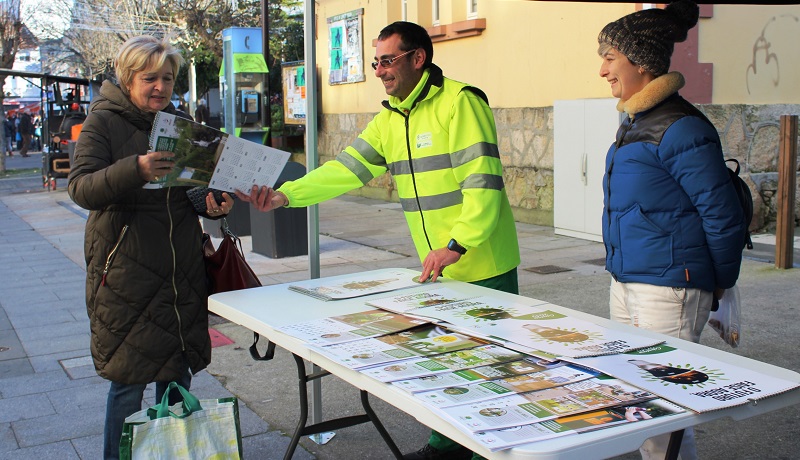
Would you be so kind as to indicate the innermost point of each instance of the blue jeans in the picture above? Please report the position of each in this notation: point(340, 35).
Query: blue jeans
point(125, 400)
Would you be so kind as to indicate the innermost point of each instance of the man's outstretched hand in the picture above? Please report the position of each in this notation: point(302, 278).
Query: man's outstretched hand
point(435, 262)
point(263, 198)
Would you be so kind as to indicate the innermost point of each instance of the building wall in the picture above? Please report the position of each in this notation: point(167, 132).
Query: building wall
point(532, 53)
point(749, 133)
point(22, 89)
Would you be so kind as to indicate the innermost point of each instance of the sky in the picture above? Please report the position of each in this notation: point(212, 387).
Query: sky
point(47, 19)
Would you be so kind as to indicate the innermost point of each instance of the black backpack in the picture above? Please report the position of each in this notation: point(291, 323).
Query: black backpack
point(745, 199)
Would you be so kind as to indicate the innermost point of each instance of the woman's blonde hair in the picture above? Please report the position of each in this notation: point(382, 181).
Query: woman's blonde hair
point(143, 53)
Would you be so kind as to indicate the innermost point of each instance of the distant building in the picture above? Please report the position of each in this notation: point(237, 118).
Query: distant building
point(27, 59)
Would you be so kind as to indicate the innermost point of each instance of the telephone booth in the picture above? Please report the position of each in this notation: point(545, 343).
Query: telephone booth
point(243, 89)
point(243, 84)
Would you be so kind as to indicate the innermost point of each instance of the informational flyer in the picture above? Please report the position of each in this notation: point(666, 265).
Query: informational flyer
point(696, 382)
point(354, 326)
point(484, 391)
point(423, 341)
point(447, 362)
point(406, 302)
point(505, 438)
point(478, 374)
point(359, 284)
point(538, 406)
point(533, 325)
point(208, 157)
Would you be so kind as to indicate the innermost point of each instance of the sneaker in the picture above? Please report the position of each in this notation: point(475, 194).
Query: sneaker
point(431, 453)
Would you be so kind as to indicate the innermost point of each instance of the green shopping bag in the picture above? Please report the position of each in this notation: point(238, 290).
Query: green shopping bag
point(193, 429)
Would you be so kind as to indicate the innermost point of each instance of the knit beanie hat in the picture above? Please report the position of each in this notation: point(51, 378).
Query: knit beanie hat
point(647, 37)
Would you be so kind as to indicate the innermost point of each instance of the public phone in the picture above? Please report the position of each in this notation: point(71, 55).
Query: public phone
point(249, 107)
point(243, 83)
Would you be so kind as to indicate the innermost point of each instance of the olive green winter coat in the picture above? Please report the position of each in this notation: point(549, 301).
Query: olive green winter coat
point(146, 291)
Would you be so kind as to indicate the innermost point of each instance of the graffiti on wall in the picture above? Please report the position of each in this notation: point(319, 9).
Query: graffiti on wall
point(765, 64)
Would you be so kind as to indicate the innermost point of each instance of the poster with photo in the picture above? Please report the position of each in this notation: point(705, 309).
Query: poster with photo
point(505, 438)
point(294, 92)
point(696, 382)
point(345, 48)
point(538, 406)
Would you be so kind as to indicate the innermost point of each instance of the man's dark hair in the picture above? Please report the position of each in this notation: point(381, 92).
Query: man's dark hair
point(412, 36)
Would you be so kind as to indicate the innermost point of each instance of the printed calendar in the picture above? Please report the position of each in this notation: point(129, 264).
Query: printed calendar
point(207, 157)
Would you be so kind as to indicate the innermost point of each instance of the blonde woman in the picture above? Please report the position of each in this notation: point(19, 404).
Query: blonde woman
point(146, 291)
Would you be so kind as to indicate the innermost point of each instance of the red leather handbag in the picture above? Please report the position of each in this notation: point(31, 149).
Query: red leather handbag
point(226, 267)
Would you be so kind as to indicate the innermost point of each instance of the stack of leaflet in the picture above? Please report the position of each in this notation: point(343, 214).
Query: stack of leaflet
point(514, 372)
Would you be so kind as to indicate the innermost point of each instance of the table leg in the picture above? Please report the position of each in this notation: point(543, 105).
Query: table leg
point(330, 425)
point(302, 379)
point(674, 446)
point(379, 426)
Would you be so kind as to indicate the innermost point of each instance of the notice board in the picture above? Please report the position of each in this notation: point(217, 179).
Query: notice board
point(345, 48)
point(294, 92)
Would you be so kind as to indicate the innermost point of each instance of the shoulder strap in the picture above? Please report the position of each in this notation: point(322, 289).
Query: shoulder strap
point(269, 354)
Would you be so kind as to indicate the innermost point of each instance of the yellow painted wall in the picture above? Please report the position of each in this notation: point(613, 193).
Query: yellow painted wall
point(533, 53)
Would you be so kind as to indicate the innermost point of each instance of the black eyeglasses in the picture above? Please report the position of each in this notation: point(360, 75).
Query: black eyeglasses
point(386, 63)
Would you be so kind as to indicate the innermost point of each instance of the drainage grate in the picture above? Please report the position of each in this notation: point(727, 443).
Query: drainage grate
point(601, 262)
point(548, 269)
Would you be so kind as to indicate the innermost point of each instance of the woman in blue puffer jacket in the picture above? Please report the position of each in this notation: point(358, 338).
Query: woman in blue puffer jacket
point(673, 227)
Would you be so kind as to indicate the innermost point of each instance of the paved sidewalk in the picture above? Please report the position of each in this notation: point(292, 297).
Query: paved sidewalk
point(52, 402)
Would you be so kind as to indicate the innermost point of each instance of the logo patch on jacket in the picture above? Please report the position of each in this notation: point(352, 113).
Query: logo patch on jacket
point(424, 140)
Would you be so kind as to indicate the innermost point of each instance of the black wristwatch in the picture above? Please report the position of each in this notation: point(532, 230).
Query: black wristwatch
point(455, 247)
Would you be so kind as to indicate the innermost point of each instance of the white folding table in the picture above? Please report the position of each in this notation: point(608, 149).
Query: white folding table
point(263, 310)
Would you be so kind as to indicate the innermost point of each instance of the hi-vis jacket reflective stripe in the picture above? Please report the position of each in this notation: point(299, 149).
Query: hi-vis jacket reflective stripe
point(440, 145)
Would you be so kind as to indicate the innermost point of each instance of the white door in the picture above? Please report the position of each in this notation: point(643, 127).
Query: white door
point(583, 130)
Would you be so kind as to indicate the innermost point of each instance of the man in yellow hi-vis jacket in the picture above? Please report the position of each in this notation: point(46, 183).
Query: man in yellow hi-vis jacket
point(438, 139)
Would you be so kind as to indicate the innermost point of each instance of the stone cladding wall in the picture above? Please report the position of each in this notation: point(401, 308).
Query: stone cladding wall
point(749, 133)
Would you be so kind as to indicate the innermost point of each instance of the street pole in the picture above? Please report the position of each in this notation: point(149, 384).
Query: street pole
point(192, 88)
point(265, 48)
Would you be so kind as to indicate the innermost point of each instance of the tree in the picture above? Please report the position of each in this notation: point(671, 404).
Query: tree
point(11, 31)
point(202, 23)
point(96, 28)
